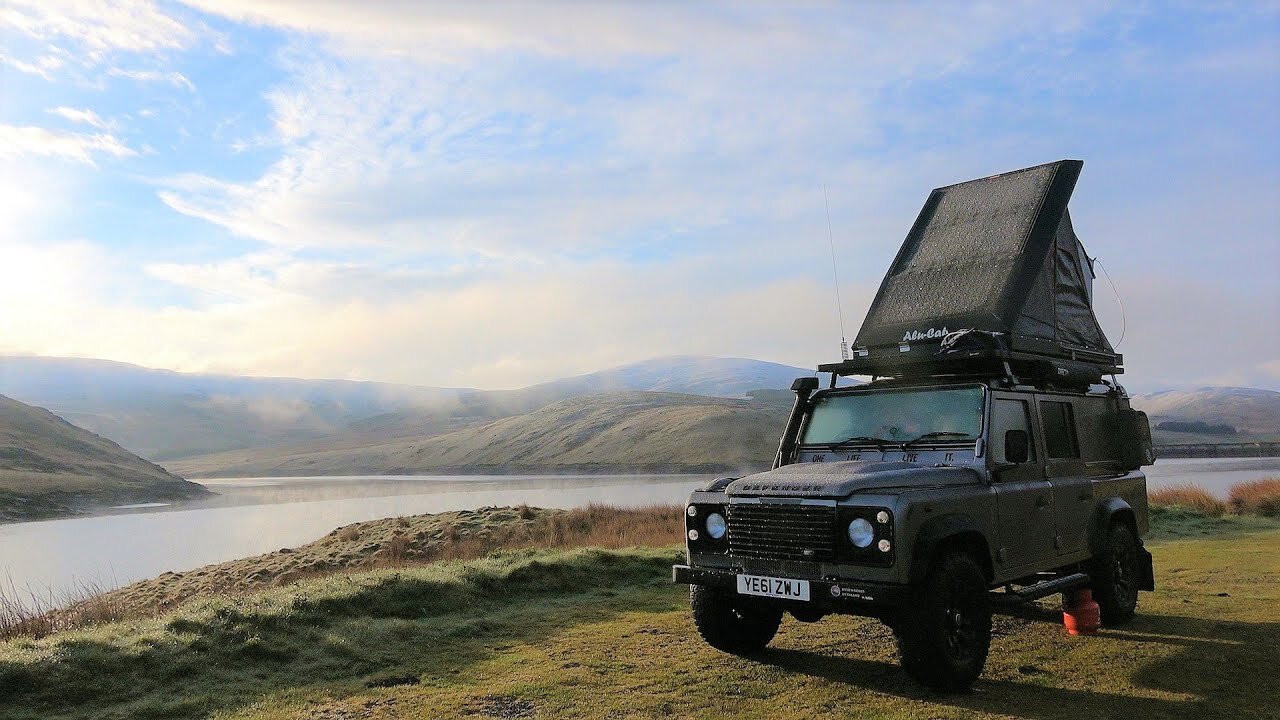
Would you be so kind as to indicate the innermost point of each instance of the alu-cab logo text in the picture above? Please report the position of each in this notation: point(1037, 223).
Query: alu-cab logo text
point(930, 334)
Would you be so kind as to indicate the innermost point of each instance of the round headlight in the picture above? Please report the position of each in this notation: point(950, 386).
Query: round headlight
point(715, 526)
point(861, 534)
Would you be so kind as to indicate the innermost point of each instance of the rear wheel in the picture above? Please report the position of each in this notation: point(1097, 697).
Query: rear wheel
point(944, 636)
point(1116, 573)
point(731, 623)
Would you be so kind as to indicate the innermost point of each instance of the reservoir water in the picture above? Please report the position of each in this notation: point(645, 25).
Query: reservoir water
point(249, 516)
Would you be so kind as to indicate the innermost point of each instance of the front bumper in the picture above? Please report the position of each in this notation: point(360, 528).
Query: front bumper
point(855, 597)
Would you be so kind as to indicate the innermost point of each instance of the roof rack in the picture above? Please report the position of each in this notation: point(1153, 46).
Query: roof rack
point(985, 355)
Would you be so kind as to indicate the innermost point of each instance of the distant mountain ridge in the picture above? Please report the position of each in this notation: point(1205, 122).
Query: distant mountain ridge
point(612, 432)
point(165, 415)
point(1254, 413)
point(49, 467)
point(169, 416)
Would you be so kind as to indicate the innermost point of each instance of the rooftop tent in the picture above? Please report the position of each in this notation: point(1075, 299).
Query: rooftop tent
point(997, 255)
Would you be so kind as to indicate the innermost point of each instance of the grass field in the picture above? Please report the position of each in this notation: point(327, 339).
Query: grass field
point(602, 634)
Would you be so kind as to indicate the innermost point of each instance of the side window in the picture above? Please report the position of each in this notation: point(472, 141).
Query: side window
point(1059, 430)
point(1009, 415)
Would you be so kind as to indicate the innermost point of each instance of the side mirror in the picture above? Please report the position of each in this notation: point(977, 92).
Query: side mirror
point(1017, 446)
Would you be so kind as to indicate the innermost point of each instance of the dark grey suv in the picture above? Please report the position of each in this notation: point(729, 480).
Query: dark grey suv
point(908, 501)
point(987, 452)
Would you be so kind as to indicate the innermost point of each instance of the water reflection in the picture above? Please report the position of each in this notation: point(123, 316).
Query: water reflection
point(257, 515)
point(249, 516)
point(1216, 475)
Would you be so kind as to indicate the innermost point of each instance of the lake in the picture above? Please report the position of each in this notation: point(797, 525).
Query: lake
point(250, 516)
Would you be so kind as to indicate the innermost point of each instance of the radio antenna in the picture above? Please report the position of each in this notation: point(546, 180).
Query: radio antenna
point(1124, 323)
point(835, 275)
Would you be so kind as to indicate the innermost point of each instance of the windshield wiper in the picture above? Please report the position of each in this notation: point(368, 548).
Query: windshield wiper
point(880, 443)
point(932, 435)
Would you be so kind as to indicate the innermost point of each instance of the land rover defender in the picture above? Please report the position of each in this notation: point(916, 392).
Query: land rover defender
point(979, 467)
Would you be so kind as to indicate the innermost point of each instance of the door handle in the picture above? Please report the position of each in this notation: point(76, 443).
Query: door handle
point(1042, 503)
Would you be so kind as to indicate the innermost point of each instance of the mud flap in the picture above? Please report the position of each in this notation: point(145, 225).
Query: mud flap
point(1146, 570)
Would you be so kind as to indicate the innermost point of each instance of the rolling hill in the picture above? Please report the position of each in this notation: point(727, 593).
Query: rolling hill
point(630, 431)
point(49, 467)
point(1253, 413)
point(164, 415)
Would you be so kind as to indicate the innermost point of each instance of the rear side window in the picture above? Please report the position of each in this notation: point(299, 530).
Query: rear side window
point(1059, 430)
point(1009, 415)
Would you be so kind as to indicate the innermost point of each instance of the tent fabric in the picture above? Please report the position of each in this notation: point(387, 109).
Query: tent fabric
point(997, 254)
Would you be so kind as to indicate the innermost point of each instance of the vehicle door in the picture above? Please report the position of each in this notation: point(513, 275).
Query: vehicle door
point(1066, 471)
point(1024, 499)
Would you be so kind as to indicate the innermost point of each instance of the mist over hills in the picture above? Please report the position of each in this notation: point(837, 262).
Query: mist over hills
point(611, 432)
point(49, 467)
point(227, 425)
point(165, 415)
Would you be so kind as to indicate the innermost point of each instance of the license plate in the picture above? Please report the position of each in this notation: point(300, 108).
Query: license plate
point(784, 588)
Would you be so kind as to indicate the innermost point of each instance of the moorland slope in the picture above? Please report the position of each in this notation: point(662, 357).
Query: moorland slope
point(49, 467)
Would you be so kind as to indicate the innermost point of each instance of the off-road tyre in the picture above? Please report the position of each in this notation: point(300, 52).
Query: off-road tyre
point(945, 633)
point(732, 624)
point(1115, 573)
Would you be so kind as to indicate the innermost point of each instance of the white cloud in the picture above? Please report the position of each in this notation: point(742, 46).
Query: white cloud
point(98, 27)
point(83, 116)
point(270, 315)
point(173, 78)
point(490, 127)
point(26, 67)
point(81, 147)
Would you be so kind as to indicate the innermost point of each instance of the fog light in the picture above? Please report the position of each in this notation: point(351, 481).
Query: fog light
point(693, 535)
point(882, 517)
point(884, 546)
point(692, 511)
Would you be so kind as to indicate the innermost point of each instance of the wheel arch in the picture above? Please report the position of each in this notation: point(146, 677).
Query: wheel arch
point(948, 532)
point(1109, 511)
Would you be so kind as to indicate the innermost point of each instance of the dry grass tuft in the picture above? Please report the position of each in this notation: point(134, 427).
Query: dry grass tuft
point(1260, 497)
point(35, 614)
point(1188, 497)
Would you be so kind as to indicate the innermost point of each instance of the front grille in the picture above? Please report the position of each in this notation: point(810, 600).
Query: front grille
point(782, 532)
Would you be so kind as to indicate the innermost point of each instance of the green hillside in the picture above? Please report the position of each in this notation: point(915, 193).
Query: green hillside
point(49, 467)
point(611, 432)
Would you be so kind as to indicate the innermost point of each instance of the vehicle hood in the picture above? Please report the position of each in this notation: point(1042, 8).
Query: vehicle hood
point(841, 479)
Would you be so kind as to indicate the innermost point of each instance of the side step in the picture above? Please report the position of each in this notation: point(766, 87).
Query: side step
point(1040, 589)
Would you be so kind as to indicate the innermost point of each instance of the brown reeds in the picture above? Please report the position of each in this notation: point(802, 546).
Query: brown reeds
point(1187, 497)
point(1260, 497)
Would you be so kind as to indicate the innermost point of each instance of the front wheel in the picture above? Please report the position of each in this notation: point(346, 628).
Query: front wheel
point(731, 623)
point(944, 636)
point(1116, 574)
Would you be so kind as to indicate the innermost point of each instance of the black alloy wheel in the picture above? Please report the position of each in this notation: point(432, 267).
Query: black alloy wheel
point(945, 634)
point(1115, 573)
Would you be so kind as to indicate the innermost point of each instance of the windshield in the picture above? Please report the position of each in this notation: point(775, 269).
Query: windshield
point(953, 414)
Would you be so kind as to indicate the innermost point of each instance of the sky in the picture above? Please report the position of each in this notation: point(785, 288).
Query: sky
point(493, 195)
